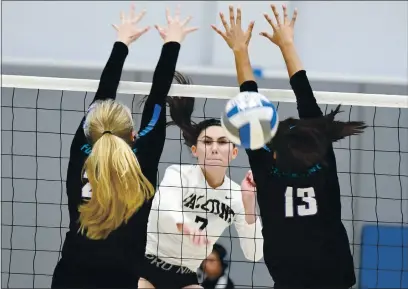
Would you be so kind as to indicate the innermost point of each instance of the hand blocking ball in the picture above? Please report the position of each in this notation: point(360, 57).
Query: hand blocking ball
point(250, 120)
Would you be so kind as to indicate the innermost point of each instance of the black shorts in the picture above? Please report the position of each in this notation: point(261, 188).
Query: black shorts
point(163, 275)
point(68, 275)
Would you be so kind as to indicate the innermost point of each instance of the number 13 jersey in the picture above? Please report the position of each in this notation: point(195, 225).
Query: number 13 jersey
point(302, 227)
point(185, 197)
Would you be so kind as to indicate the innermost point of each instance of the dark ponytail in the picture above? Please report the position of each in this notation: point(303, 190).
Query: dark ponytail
point(301, 143)
point(181, 110)
point(338, 130)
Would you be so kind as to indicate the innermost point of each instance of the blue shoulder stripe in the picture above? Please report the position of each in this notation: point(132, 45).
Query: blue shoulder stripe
point(153, 121)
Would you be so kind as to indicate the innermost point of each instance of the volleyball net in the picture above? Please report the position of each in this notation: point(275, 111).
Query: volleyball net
point(39, 119)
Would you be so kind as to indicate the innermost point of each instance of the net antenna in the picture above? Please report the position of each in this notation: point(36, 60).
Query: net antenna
point(201, 91)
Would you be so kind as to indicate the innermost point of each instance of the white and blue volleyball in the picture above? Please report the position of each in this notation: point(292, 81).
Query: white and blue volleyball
point(250, 120)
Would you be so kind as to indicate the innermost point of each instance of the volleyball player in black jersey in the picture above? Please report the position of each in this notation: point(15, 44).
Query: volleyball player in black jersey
point(112, 172)
point(305, 242)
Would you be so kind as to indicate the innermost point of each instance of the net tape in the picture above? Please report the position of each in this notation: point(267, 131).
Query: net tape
point(200, 91)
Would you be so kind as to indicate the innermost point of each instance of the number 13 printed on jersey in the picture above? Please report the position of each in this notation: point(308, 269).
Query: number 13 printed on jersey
point(307, 195)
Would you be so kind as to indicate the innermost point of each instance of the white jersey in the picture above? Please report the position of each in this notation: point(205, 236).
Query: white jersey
point(185, 197)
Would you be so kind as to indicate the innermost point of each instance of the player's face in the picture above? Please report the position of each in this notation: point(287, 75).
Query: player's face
point(212, 266)
point(213, 148)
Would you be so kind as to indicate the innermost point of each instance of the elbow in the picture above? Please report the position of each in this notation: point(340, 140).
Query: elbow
point(258, 255)
point(254, 256)
point(255, 252)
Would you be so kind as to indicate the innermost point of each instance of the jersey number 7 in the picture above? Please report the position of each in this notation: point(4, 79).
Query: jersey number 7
point(307, 195)
point(204, 222)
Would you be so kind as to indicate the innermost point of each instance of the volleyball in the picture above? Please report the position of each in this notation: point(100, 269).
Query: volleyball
point(250, 120)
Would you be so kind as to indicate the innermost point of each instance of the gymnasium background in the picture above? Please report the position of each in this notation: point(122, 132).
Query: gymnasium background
point(345, 47)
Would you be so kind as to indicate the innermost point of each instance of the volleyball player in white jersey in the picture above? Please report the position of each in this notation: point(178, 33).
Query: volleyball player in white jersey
point(196, 203)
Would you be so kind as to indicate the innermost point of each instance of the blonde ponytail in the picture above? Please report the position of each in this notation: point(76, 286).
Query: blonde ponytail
point(119, 187)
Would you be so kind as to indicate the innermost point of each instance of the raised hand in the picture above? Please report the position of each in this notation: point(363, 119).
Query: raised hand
point(283, 29)
point(127, 30)
point(248, 191)
point(176, 30)
point(248, 184)
point(235, 37)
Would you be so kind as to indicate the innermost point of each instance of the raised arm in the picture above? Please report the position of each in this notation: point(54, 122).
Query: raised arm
point(247, 222)
point(238, 41)
point(283, 37)
point(152, 133)
point(250, 236)
point(127, 33)
point(111, 74)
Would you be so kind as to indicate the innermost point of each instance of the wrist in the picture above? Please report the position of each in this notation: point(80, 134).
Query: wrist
point(287, 46)
point(241, 51)
point(250, 219)
point(124, 41)
point(172, 38)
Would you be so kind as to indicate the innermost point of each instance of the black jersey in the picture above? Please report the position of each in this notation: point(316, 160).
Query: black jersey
point(305, 242)
point(123, 250)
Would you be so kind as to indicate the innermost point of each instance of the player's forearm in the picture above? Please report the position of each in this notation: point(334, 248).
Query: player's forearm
point(243, 66)
point(250, 214)
point(112, 72)
point(292, 59)
point(162, 80)
point(252, 241)
point(306, 102)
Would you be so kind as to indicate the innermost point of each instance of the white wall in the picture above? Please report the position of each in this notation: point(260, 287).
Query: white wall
point(344, 38)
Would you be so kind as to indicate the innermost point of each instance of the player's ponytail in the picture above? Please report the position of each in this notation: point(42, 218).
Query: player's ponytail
point(337, 130)
point(118, 186)
point(181, 110)
point(302, 143)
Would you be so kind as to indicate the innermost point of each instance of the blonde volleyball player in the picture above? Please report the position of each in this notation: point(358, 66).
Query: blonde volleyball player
point(196, 203)
point(306, 244)
point(112, 176)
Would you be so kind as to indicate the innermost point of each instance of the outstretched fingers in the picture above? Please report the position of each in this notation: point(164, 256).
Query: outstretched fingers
point(222, 34)
point(267, 35)
point(191, 29)
point(168, 16)
point(186, 21)
point(276, 13)
point(224, 22)
point(137, 18)
point(269, 20)
point(177, 13)
point(250, 27)
point(285, 14)
point(294, 17)
point(232, 16)
point(132, 11)
point(239, 17)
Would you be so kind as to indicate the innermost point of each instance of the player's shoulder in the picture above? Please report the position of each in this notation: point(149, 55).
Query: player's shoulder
point(184, 169)
point(185, 172)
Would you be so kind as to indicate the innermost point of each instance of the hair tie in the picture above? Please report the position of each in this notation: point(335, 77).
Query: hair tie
point(107, 131)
